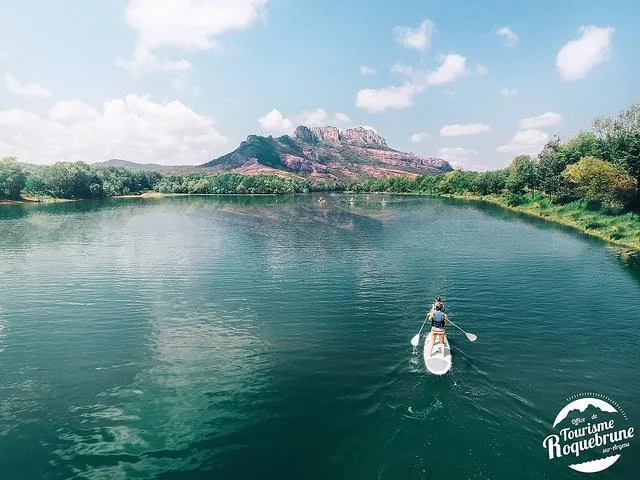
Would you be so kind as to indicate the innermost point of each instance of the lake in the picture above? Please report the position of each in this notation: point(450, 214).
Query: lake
point(269, 337)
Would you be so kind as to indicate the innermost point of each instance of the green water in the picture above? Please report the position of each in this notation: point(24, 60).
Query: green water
point(268, 337)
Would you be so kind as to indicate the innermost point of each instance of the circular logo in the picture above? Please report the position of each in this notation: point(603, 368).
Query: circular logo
point(591, 432)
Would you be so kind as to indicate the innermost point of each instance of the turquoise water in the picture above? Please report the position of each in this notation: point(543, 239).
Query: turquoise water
point(268, 337)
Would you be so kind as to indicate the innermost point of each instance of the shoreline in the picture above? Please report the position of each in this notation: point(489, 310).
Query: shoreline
point(27, 200)
point(551, 217)
point(534, 210)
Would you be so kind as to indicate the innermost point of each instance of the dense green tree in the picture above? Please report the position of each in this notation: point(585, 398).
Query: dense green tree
point(627, 121)
point(595, 179)
point(229, 183)
point(457, 181)
point(427, 183)
point(584, 144)
point(491, 182)
point(619, 139)
point(68, 180)
point(120, 181)
point(12, 178)
point(551, 163)
point(523, 174)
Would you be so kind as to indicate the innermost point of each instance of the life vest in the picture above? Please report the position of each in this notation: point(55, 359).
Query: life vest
point(437, 319)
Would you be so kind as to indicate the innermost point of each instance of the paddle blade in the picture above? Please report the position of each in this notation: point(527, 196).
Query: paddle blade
point(471, 337)
point(415, 340)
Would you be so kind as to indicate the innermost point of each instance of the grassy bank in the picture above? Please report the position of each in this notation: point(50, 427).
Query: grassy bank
point(622, 230)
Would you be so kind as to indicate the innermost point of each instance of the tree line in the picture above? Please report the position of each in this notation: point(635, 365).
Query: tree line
point(69, 180)
point(78, 180)
point(600, 166)
point(234, 183)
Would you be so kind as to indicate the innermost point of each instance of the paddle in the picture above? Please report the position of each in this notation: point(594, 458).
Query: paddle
point(470, 336)
point(416, 340)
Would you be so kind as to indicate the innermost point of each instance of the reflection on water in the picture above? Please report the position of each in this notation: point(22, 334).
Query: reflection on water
point(204, 371)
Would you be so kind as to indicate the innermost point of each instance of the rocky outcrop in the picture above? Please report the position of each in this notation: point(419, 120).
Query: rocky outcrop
point(359, 136)
point(362, 137)
point(327, 134)
point(352, 153)
point(305, 135)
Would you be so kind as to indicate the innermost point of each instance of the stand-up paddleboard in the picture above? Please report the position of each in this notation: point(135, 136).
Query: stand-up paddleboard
point(439, 362)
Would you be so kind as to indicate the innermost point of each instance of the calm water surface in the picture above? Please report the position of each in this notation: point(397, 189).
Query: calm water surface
point(242, 338)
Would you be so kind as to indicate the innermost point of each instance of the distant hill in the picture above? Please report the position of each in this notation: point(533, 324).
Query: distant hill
point(326, 151)
point(114, 162)
point(168, 169)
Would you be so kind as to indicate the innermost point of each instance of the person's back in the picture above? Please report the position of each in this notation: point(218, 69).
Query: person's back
point(438, 320)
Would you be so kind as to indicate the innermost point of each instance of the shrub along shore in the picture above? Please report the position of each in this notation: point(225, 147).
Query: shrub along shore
point(589, 182)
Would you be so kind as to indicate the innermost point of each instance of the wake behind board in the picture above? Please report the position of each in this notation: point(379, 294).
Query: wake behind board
point(439, 362)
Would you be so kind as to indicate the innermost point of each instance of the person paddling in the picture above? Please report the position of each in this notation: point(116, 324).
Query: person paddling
point(438, 321)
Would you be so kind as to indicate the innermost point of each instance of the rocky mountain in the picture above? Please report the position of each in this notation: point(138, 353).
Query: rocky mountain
point(326, 151)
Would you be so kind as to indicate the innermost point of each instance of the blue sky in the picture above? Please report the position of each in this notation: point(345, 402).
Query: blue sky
point(183, 81)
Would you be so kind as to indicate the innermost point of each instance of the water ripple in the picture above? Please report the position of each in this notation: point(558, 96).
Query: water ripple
point(243, 337)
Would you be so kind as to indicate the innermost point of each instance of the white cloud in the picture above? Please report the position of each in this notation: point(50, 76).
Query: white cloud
point(510, 38)
point(415, 38)
point(133, 128)
point(528, 142)
point(540, 121)
point(453, 67)
point(72, 111)
point(364, 70)
point(418, 137)
point(405, 70)
point(450, 92)
point(189, 24)
point(320, 118)
point(457, 129)
point(276, 123)
point(377, 100)
point(145, 61)
point(16, 117)
point(341, 119)
point(509, 92)
point(481, 71)
point(27, 89)
point(457, 156)
point(579, 56)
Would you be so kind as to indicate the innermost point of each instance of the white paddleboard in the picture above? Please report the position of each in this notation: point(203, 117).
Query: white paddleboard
point(439, 362)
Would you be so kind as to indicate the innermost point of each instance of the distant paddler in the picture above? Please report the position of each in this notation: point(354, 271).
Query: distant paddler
point(439, 300)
